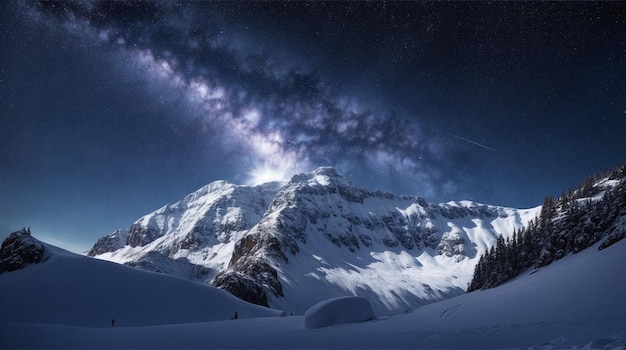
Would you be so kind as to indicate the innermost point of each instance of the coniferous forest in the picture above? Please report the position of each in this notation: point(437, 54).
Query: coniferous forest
point(569, 224)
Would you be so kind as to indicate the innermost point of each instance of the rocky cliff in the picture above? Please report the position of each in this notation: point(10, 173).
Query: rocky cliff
point(19, 250)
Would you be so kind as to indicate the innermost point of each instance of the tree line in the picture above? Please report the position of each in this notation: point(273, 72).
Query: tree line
point(575, 221)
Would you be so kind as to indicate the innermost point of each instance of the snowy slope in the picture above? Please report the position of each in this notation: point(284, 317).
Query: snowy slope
point(70, 289)
point(194, 237)
point(293, 244)
point(574, 303)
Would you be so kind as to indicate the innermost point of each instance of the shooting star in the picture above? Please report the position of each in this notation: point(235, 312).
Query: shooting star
point(472, 142)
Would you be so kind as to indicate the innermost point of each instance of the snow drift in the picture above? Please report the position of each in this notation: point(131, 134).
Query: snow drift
point(338, 310)
point(66, 288)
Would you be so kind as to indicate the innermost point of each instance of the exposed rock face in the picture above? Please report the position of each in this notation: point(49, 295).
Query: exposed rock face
point(112, 242)
point(451, 245)
point(19, 250)
point(141, 235)
point(250, 269)
point(243, 287)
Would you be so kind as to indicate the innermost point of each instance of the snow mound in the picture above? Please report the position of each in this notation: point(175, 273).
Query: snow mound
point(70, 289)
point(338, 310)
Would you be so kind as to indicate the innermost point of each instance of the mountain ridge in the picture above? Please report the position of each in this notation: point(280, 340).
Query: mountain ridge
point(291, 244)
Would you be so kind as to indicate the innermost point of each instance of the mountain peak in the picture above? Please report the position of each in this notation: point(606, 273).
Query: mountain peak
point(322, 176)
point(326, 171)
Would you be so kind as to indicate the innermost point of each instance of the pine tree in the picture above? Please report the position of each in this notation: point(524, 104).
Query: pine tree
point(565, 226)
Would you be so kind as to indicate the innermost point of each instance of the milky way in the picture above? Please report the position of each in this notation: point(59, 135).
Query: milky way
point(270, 110)
point(498, 103)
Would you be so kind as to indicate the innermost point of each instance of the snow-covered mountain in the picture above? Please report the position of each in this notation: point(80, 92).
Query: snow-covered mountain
point(292, 244)
point(52, 298)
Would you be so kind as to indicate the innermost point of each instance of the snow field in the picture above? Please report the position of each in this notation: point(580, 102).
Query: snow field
point(574, 303)
point(75, 290)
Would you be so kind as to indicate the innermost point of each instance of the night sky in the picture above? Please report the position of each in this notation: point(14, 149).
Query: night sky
point(110, 110)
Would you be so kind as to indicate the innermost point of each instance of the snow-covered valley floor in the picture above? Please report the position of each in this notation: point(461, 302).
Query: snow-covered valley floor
point(577, 302)
point(288, 333)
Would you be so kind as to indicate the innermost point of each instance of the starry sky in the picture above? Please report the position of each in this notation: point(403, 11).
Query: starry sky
point(111, 109)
